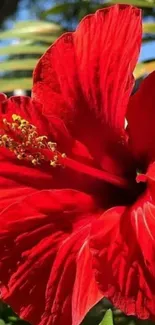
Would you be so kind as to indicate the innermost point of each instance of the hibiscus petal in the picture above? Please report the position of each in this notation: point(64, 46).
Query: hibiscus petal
point(3, 97)
point(141, 116)
point(123, 246)
point(84, 283)
point(38, 252)
point(31, 110)
point(101, 56)
point(91, 92)
point(59, 307)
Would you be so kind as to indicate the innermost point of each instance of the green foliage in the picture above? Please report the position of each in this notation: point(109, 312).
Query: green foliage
point(75, 10)
point(23, 48)
point(108, 318)
point(138, 3)
point(149, 28)
point(144, 68)
point(29, 40)
point(33, 30)
point(72, 10)
point(8, 85)
point(15, 65)
point(8, 317)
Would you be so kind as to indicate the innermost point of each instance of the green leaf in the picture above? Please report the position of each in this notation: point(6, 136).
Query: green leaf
point(2, 322)
point(138, 3)
point(16, 65)
point(144, 68)
point(21, 48)
point(37, 26)
point(79, 6)
point(108, 318)
point(12, 318)
point(66, 7)
point(16, 34)
point(148, 39)
point(33, 30)
point(58, 9)
point(9, 85)
point(149, 28)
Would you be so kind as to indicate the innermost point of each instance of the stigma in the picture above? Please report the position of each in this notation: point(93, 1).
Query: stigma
point(141, 178)
point(24, 141)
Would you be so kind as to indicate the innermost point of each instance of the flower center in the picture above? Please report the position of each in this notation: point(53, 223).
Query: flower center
point(21, 138)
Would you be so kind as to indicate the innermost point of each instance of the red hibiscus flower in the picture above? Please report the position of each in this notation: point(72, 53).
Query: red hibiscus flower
point(77, 189)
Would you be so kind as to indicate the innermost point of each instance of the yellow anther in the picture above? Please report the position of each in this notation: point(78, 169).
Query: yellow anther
point(14, 126)
point(52, 145)
point(24, 122)
point(41, 145)
point(63, 155)
point(55, 158)
point(5, 121)
point(32, 127)
point(16, 118)
point(53, 163)
point(34, 161)
point(19, 156)
point(22, 128)
point(5, 137)
point(27, 143)
point(22, 138)
point(42, 138)
point(33, 134)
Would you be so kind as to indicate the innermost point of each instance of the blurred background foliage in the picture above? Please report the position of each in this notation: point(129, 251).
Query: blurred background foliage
point(28, 39)
point(22, 42)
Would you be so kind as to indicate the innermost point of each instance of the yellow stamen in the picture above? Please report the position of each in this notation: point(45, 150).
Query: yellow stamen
point(23, 140)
